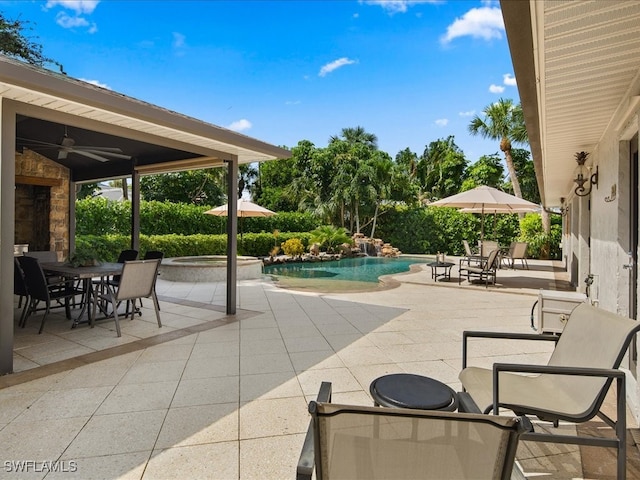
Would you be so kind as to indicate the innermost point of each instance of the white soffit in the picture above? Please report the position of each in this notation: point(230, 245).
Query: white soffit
point(591, 57)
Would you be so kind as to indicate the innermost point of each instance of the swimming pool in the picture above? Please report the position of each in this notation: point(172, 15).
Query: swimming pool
point(366, 270)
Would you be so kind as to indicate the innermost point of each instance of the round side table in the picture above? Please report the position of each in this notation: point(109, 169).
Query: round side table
point(406, 390)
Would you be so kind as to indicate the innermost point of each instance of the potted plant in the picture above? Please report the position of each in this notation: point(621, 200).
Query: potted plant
point(84, 256)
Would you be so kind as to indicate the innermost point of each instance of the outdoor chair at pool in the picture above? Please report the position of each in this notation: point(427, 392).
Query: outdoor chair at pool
point(358, 442)
point(571, 387)
point(470, 256)
point(517, 251)
point(486, 271)
point(136, 281)
point(488, 246)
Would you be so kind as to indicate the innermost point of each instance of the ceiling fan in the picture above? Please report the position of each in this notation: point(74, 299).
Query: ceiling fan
point(68, 145)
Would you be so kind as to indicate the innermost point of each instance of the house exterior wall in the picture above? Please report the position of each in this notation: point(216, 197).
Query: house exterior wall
point(608, 212)
point(30, 164)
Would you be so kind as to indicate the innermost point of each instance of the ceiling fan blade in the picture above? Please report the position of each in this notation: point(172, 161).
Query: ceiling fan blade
point(35, 143)
point(105, 154)
point(101, 149)
point(90, 155)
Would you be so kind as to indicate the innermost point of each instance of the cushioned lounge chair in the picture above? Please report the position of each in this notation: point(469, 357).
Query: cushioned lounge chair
point(571, 387)
point(358, 442)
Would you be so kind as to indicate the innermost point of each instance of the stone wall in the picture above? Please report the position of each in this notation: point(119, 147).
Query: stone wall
point(34, 170)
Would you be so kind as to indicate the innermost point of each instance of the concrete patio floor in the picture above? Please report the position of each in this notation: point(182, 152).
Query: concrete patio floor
point(225, 397)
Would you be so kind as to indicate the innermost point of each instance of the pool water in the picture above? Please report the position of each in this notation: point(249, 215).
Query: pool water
point(359, 269)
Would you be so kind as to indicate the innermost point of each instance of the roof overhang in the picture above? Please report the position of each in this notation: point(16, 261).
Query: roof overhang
point(575, 63)
point(46, 103)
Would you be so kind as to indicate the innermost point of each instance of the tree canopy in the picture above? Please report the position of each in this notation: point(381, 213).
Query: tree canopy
point(503, 121)
point(15, 43)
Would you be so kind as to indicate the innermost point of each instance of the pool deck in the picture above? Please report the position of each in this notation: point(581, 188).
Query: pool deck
point(224, 397)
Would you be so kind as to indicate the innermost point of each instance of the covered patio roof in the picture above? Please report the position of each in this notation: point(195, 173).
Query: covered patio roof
point(39, 108)
point(574, 63)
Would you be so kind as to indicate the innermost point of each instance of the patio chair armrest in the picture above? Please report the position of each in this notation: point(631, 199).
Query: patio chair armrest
point(609, 373)
point(306, 462)
point(557, 370)
point(505, 335)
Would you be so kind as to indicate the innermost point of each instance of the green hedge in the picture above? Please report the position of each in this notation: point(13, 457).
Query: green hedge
point(98, 216)
point(437, 229)
point(108, 247)
point(184, 230)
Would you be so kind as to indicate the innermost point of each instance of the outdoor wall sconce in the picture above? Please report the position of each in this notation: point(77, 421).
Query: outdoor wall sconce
point(564, 209)
point(581, 176)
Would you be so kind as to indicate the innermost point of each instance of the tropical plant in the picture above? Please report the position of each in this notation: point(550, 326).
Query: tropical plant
point(441, 169)
point(503, 121)
point(84, 255)
point(247, 175)
point(487, 170)
point(357, 135)
point(293, 247)
point(199, 187)
point(330, 237)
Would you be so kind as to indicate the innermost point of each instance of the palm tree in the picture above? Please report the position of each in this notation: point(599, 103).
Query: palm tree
point(357, 135)
point(503, 121)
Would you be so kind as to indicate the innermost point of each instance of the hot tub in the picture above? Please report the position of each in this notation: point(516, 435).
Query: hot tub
point(208, 268)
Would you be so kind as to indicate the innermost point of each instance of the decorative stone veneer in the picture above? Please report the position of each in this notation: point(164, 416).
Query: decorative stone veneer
point(34, 169)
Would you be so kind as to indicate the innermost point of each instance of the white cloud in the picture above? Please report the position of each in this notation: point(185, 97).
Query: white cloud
point(468, 113)
point(74, 20)
point(178, 40)
point(509, 80)
point(96, 83)
point(496, 88)
point(396, 6)
point(485, 23)
point(331, 66)
point(292, 102)
point(442, 122)
point(78, 6)
point(240, 125)
point(67, 21)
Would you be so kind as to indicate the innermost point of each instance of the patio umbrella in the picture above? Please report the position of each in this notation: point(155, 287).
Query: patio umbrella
point(495, 211)
point(245, 209)
point(486, 199)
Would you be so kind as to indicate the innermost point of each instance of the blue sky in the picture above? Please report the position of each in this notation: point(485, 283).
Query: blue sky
point(283, 71)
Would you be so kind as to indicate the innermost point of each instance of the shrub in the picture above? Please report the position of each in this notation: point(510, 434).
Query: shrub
point(293, 247)
point(330, 237)
point(541, 244)
point(99, 216)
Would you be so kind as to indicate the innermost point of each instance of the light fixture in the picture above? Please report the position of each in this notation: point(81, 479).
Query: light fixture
point(581, 176)
point(564, 209)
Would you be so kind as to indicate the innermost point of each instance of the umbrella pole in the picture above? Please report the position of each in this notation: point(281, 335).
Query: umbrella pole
point(482, 227)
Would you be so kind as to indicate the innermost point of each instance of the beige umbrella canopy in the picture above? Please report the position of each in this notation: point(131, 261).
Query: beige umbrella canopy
point(486, 199)
point(245, 209)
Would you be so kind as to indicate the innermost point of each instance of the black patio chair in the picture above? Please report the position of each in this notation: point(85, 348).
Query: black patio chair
point(20, 289)
point(40, 290)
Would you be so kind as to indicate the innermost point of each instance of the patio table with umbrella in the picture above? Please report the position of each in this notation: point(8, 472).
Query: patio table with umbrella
point(245, 209)
point(485, 199)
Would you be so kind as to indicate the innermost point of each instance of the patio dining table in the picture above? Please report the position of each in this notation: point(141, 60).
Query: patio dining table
point(86, 274)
